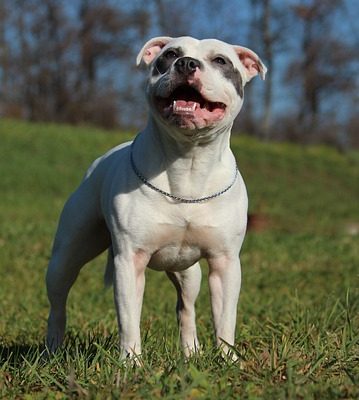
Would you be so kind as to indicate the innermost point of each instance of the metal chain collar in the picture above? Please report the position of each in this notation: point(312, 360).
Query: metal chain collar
point(171, 196)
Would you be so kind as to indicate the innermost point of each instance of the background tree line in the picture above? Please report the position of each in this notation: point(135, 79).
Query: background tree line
point(73, 61)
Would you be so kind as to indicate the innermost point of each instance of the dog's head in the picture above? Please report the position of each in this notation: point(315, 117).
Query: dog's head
point(195, 84)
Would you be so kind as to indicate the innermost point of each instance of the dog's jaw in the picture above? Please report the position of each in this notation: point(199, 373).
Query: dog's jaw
point(185, 107)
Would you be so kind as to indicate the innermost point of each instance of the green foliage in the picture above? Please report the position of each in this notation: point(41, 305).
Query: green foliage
point(298, 324)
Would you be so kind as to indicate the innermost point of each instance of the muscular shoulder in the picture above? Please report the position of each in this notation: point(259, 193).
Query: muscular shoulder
point(113, 156)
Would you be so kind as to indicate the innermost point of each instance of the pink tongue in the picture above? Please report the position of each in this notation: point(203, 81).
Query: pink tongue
point(183, 106)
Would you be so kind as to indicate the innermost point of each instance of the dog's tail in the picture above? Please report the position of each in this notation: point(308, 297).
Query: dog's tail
point(110, 267)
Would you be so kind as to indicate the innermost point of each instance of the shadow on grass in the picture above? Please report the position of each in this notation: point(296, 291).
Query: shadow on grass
point(75, 346)
point(15, 354)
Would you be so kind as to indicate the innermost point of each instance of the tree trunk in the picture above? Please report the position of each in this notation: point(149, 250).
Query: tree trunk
point(268, 56)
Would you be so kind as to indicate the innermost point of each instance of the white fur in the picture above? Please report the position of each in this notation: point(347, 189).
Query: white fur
point(113, 210)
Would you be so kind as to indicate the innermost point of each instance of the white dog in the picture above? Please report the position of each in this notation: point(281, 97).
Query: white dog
point(168, 199)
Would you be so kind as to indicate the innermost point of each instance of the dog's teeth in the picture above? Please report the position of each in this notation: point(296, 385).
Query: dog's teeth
point(189, 108)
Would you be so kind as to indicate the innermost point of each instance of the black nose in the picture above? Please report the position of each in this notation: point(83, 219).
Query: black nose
point(187, 65)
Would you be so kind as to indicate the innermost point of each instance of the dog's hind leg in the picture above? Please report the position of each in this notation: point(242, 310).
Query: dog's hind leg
point(80, 237)
point(187, 284)
point(110, 268)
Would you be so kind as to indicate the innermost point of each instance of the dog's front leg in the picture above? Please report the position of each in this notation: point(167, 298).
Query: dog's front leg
point(224, 286)
point(129, 283)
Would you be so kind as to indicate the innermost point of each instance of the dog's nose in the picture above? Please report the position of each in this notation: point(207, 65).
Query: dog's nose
point(187, 65)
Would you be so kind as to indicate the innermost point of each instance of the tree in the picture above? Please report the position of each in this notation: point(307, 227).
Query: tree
point(61, 57)
point(105, 36)
point(323, 64)
point(4, 55)
point(267, 39)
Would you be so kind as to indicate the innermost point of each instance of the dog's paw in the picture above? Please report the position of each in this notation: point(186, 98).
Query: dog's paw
point(131, 358)
point(228, 352)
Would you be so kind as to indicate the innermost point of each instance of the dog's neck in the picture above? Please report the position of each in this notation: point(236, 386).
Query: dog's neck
point(184, 166)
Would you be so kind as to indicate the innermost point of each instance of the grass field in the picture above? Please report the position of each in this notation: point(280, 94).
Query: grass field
point(298, 318)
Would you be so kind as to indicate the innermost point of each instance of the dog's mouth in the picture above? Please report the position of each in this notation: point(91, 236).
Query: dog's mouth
point(187, 102)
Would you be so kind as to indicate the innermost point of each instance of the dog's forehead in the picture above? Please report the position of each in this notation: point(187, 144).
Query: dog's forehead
point(202, 48)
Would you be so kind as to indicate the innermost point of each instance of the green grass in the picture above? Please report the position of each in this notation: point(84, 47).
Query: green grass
point(298, 319)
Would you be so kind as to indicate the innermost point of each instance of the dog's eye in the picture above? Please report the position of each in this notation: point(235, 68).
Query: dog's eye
point(171, 55)
point(220, 60)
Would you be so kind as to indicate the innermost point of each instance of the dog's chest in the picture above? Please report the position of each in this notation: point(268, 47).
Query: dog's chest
point(175, 247)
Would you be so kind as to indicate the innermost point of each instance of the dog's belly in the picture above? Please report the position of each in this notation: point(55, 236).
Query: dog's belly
point(174, 257)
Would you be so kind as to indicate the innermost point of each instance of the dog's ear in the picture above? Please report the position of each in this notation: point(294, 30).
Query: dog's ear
point(251, 62)
point(150, 50)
